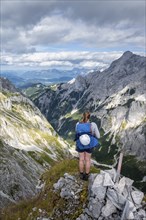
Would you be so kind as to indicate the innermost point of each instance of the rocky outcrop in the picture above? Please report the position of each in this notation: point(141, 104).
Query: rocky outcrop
point(106, 199)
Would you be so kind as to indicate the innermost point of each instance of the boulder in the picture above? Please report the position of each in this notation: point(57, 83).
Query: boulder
point(108, 209)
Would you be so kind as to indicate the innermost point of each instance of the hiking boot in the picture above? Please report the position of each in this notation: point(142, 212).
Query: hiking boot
point(81, 176)
point(86, 176)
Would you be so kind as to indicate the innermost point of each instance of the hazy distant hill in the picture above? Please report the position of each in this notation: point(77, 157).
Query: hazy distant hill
point(21, 79)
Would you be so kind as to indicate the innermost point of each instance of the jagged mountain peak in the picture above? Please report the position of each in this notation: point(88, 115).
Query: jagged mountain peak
point(127, 60)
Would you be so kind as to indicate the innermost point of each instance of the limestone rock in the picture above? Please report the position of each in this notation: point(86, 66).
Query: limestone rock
point(137, 196)
point(108, 209)
point(113, 205)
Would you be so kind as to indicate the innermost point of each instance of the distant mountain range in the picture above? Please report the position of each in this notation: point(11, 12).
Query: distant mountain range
point(117, 101)
point(23, 79)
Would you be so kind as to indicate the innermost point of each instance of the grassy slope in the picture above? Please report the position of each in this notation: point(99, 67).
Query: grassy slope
point(48, 200)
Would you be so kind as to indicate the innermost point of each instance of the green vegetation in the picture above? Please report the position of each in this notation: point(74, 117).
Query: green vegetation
point(75, 116)
point(1, 144)
point(68, 126)
point(48, 200)
point(2, 96)
point(16, 115)
point(43, 139)
point(53, 87)
point(45, 156)
point(47, 159)
point(135, 170)
point(34, 92)
point(41, 158)
point(9, 94)
point(123, 124)
point(52, 140)
point(102, 154)
point(71, 141)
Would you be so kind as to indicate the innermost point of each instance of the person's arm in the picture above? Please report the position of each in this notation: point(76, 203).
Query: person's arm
point(95, 130)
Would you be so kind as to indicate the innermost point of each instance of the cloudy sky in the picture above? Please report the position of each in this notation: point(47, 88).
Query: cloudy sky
point(65, 34)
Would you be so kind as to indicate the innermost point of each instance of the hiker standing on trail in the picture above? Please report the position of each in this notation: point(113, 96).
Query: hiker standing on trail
point(87, 135)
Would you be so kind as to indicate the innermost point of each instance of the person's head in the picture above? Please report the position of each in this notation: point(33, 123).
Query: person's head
point(86, 117)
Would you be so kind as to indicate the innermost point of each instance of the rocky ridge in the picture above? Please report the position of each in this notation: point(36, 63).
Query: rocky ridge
point(107, 199)
point(28, 145)
point(65, 196)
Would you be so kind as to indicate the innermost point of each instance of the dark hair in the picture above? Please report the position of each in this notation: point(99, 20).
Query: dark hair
point(86, 116)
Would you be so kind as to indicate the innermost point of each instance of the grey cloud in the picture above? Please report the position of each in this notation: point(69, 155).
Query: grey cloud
point(124, 18)
point(23, 14)
point(99, 12)
point(107, 12)
point(13, 43)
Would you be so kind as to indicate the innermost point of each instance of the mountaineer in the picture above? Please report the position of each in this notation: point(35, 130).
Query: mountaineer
point(87, 135)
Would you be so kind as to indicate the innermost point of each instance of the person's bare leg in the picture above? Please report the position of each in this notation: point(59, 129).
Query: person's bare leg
point(81, 162)
point(87, 162)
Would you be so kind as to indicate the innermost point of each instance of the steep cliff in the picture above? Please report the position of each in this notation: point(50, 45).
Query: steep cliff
point(28, 145)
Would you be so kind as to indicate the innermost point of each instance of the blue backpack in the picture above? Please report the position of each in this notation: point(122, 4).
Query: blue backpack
point(85, 128)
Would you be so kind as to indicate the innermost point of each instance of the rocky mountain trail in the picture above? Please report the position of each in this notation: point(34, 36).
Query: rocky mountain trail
point(106, 199)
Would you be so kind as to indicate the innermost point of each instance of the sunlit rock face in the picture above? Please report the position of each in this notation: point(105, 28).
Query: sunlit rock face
point(116, 98)
point(28, 145)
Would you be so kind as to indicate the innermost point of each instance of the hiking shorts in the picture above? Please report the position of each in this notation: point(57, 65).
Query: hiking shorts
point(89, 151)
